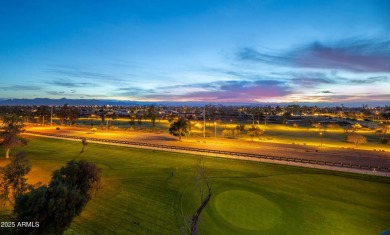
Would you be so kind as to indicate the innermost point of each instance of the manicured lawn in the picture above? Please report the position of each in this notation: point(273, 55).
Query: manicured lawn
point(154, 192)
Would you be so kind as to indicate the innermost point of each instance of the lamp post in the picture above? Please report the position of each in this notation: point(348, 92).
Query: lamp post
point(51, 116)
point(215, 126)
point(321, 137)
point(204, 121)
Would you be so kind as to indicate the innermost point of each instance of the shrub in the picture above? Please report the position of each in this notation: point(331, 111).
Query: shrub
point(93, 129)
point(54, 206)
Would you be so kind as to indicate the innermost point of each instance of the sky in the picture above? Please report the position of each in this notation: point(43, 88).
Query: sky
point(221, 51)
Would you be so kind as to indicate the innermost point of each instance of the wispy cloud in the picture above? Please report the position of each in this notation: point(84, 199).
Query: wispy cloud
point(369, 80)
point(134, 91)
point(74, 74)
point(230, 91)
point(313, 79)
point(73, 94)
point(356, 97)
point(20, 88)
point(79, 74)
point(357, 55)
point(353, 55)
point(251, 54)
point(55, 92)
point(211, 85)
point(70, 84)
point(308, 79)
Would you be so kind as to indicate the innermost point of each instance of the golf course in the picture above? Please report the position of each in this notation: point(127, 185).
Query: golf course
point(156, 192)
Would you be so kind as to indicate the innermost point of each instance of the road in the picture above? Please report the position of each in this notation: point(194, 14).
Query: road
point(348, 156)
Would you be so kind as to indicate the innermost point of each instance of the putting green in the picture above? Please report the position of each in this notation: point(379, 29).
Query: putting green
point(247, 210)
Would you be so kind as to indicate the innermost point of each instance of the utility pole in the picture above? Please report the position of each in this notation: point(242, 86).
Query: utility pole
point(215, 125)
point(51, 116)
point(204, 121)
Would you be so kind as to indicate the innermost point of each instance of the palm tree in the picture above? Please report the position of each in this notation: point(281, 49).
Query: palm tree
point(10, 132)
point(180, 128)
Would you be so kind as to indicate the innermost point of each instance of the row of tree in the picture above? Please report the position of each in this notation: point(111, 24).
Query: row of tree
point(66, 114)
point(182, 127)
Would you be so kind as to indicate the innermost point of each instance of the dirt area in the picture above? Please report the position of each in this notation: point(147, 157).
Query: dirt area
point(351, 156)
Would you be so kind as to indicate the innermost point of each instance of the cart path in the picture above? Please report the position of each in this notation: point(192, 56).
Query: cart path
point(347, 156)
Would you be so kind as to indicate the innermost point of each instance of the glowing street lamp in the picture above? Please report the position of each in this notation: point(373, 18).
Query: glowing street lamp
point(321, 137)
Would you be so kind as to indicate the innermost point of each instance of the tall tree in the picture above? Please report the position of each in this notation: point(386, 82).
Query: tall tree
point(43, 113)
point(179, 128)
point(152, 113)
point(68, 113)
point(10, 132)
point(55, 206)
point(63, 113)
point(286, 116)
point(13, 181)
point(383, 130)
point(139, 118)
point(132, 120)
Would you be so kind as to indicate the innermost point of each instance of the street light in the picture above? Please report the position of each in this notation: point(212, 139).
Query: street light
point(321, 137)
point(204, 121)
point(51, 116)
point(215, 125)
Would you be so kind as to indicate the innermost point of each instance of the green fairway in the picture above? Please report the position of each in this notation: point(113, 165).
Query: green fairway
point(246, 210)
point(155, 192)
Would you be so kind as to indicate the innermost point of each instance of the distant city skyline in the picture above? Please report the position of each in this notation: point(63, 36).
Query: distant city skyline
point(197, 51)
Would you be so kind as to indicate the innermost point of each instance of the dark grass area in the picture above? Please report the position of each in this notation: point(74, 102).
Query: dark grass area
point(140, 195)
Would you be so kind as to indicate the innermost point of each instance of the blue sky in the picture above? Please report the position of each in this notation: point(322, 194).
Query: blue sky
point(209, 51)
